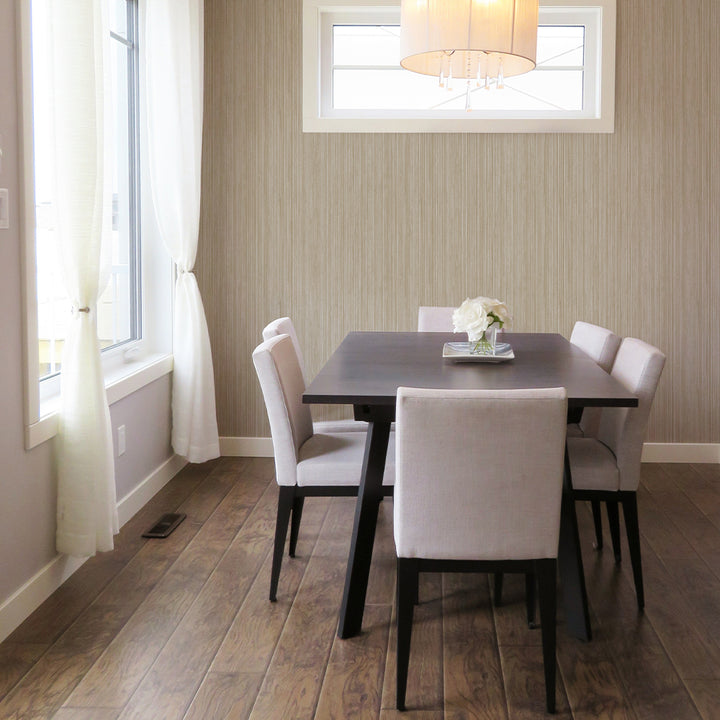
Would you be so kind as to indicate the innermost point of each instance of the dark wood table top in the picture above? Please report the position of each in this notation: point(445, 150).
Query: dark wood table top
point(368, 367)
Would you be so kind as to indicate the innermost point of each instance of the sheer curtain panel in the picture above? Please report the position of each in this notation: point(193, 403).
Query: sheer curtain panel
point(86, 509)
point(174, 82)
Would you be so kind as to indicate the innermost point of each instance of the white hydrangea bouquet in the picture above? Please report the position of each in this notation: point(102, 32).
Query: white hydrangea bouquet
point(481, 318)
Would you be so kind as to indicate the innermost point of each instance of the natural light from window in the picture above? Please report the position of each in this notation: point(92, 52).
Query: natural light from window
point(118, 308)
point(367, 75)
point(353, 82)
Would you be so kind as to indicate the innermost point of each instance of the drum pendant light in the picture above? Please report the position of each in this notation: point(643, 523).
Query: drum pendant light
point(481, 40)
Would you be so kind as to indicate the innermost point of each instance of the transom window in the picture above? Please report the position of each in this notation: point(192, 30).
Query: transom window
point(353, 81)
point(365, 78)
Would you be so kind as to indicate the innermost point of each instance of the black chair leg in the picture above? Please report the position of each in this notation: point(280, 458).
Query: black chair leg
point(630, 513)
point(546, 571)
point(530, 584)
point(614, 523)
point(285, 505)
point(407, 582)
point(497, 588)
point(295, 518)
point(597, 519)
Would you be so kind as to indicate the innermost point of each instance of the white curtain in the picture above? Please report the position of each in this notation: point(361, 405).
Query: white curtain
point(86, 508)
point(173, 44)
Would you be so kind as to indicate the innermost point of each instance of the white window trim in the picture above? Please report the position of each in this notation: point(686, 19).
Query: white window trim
point(127, 368)
point(314, 121)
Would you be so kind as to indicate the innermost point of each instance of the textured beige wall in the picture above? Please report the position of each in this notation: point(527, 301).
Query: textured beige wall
point(353, 232)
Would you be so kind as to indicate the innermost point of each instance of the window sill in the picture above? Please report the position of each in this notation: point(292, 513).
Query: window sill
point(119, 384)
point(476, 124)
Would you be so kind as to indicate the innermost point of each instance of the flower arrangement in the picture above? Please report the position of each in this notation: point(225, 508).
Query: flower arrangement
point(480, 318)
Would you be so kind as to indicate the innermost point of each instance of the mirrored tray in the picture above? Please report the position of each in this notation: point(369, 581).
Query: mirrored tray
point(460, 352)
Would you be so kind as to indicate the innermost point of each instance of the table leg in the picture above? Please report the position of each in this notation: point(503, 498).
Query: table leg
point(572, 576)
point(363, 536)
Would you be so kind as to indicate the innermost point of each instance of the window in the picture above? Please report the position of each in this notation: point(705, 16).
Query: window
point(119, 319)
point(353, 81)
point(134, 310)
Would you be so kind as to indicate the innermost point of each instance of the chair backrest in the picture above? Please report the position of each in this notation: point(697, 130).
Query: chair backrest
point(284, 326)
point(601, 345)
point(282, 384)
point(435, 319)
point(598, 342)
point(479, 473)
point(638, 367)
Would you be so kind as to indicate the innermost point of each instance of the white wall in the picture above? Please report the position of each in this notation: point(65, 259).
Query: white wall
point(27, 478)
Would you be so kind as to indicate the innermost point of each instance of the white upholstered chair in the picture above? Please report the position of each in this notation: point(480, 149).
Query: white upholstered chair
point(602, 346)
point(467, 506)
point(435, 319)
point(307, 463)
point(284, 326)
point(607, 468)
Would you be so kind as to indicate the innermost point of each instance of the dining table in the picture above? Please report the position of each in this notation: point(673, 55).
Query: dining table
point(367, 369)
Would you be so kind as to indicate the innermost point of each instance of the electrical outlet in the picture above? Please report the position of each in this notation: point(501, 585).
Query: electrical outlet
point(121, 440)
point(4, 209)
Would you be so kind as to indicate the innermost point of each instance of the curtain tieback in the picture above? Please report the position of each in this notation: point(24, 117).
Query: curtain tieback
point(76, 309)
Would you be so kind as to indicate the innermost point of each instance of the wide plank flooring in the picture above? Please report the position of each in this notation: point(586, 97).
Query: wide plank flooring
point(182, 627)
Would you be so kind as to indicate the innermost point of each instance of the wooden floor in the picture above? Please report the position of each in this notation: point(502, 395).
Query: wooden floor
point(182, 628)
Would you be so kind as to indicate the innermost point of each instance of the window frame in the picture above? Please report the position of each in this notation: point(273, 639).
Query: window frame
point(318, 17)
point(135, 201)
point(131, 364)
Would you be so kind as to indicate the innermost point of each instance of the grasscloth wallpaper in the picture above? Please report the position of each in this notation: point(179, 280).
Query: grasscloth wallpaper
point(355, 231)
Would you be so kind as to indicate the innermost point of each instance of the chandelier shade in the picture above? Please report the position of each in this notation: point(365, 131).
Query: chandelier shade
point(468, 38)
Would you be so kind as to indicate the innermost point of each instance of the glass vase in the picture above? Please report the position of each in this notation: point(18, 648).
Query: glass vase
point(486, 344)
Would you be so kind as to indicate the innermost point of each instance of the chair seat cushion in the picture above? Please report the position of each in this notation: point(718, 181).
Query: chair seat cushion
point(592, 465)
point(339, 426)
point(337, 458)
point(343, 426)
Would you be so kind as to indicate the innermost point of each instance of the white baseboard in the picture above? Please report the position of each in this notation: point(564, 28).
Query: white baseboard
point(652, 452)
point(246, 447)
point(35, 591)
point(681, 453)
point(142, 493)
point(49, 578)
